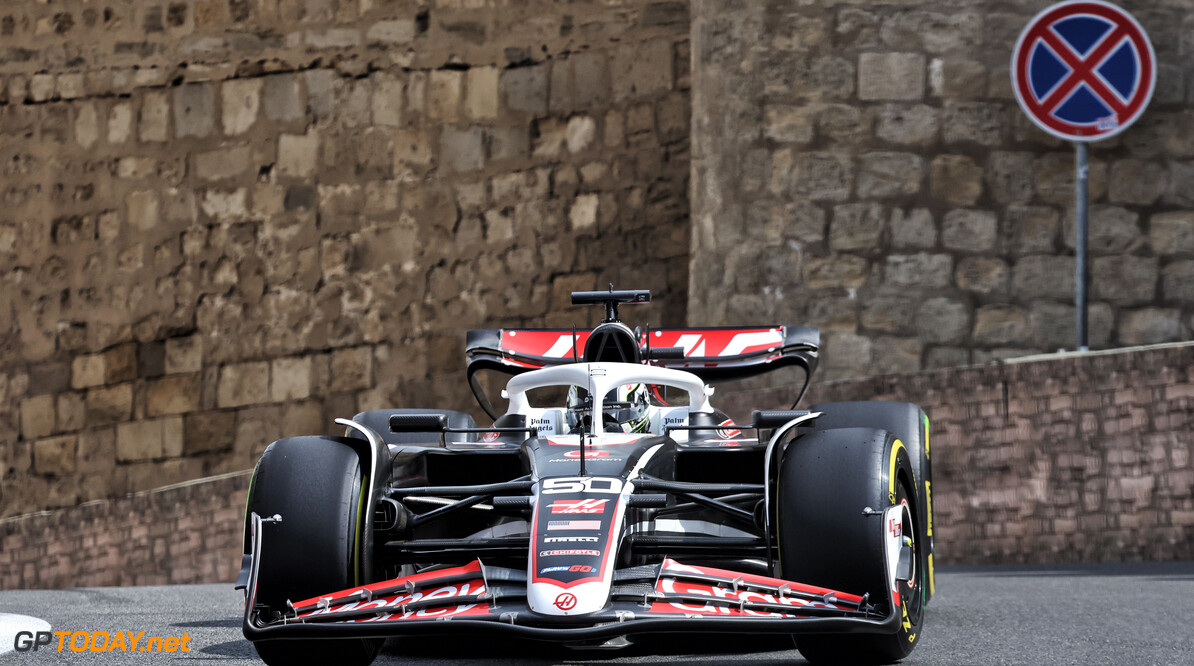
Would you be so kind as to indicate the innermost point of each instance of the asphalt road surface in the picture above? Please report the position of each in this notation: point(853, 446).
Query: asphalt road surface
point(1068, 614)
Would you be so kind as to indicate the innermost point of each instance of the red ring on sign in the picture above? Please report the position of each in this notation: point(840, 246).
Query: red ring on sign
point(1081, 70)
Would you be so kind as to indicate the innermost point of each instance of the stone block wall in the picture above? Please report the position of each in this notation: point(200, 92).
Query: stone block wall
point(227, 221)
point(1065, 458)
point(865, 168)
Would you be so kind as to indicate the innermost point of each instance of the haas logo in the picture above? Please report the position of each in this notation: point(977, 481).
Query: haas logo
point(566, 601)
point(578, 506)
point(728, 433)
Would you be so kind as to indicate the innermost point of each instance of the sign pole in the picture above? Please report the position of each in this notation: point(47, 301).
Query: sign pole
point(1083, 71)
point(1082, 272)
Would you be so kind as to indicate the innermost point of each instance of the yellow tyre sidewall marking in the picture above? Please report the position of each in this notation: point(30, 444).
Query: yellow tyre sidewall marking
point(932, 592)
point(926, 416)
point(356, 548)
point(929, 513)
point(891, 469)
point(929, 532)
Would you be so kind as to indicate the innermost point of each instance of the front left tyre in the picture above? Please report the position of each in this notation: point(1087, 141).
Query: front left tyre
point(317, 485)
point(910, 424)
point(834, 489)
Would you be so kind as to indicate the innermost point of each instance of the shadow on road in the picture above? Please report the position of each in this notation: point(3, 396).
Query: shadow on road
point(713, 648)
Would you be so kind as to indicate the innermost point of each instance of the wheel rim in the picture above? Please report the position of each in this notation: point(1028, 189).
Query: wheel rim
point(908, 534)
point(911, 591)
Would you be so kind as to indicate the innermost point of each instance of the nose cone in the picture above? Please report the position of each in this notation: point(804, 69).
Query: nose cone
point(550, 599)
point(574, 543)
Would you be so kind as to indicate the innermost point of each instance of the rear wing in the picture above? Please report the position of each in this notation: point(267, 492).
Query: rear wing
point(713, 354)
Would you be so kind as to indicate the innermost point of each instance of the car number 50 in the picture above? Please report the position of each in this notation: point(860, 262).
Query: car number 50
point(582, 484)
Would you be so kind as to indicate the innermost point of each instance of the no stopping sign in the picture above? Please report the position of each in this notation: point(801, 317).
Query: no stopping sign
point(1083, 70)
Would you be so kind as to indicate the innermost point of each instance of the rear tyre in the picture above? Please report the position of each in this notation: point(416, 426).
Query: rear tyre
point(827, 479)
point(317, 485)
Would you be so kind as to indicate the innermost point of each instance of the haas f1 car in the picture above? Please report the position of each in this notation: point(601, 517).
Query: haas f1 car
point(609, 499)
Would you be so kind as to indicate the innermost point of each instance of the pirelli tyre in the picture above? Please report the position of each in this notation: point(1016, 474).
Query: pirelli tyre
point(317, 486)
point(910, 424)
point(827, 481)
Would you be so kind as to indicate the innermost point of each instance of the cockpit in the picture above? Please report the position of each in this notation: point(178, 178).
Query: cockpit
point(606, 398)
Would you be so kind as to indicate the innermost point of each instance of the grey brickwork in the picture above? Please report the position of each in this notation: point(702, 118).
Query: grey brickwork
point(178, 535)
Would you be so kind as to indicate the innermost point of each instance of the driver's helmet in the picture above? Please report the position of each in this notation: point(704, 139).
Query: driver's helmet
point(624, 408)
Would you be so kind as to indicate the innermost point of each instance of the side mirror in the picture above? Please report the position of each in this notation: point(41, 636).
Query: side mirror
point(418, 423)
point(775, 418)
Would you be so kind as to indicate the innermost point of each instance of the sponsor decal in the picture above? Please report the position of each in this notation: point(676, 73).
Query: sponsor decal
point(725, 343)
point(553, 553)
point(582, 539)
point(668, 585)
point(575, 568)
point(566, 601)
point(448, 593)
point(582, 484)
point(578, 506)
point(491, 436)
point(589, 454)
point(99, 641)
point(542, 425)
point(895, 527)
point(728, 433)
point(673, 586)
point(574, 524)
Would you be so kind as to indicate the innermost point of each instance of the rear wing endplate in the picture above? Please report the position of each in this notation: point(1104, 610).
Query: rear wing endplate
point(713, 354)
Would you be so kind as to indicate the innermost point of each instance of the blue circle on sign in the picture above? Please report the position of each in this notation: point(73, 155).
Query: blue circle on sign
point(1119, 70)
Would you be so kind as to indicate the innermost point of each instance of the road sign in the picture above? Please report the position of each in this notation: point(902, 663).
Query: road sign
point(1083, 70)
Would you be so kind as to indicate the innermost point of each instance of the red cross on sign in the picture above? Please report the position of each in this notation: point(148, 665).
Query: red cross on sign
point(1083, 70)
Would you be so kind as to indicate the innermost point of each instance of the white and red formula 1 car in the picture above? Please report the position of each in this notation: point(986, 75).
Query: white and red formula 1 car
point(609, 499)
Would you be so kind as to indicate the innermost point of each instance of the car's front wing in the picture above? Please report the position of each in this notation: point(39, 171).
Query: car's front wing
point(666, 597)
